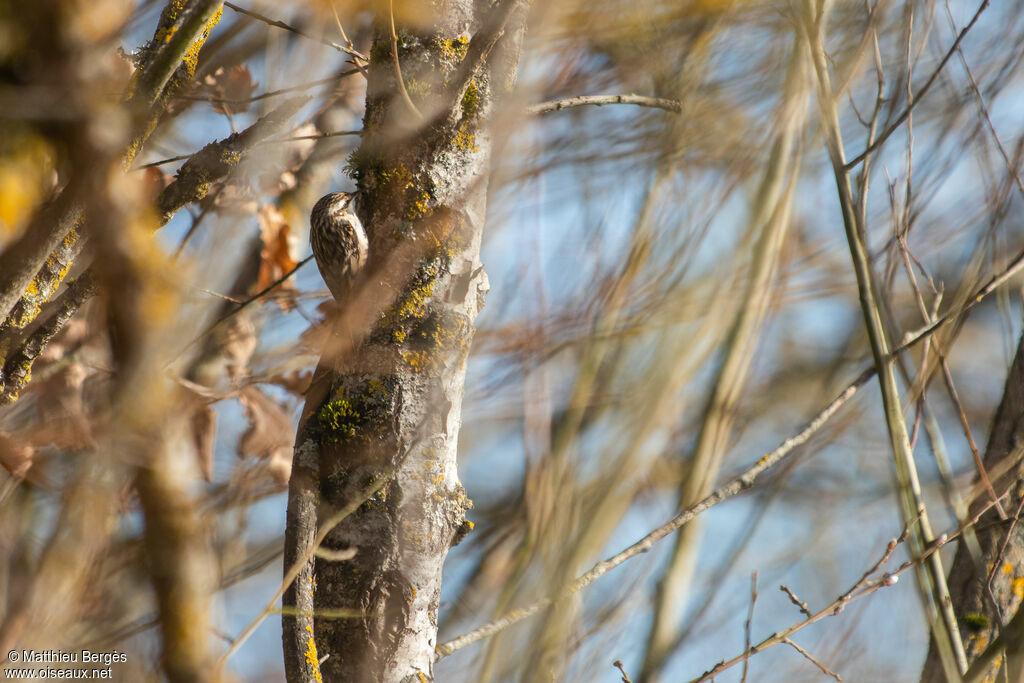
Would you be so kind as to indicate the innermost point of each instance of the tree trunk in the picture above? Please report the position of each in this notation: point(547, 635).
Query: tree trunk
point(377, 442)
point(986, 591)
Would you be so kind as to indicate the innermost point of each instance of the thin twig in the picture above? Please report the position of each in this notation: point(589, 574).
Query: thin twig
point(932, 583)
point(241, 306)
point(287, 27)
point(325, 527)
point(865, 586)
point(269, 93)
point(984, 109)
point(317, 136)
point(912, 338)
point(394, 62)
point(812, 660)
point(954, 396)
point(746, 625)
point(733, 487)
point(600, 100)
point(1002, 548)
point(894, 126)
point(341, 29)
point(795, 600)
point(271, 141)
point(168, 160)
point(737, 484)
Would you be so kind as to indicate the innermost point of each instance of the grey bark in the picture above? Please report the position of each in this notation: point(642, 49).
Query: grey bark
point(986, 591)
point(385, 404)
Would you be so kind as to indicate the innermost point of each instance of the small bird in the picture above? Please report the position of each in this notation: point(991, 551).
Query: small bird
point(339, 242)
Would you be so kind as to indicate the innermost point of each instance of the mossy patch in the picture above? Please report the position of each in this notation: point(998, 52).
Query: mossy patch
point(471, 101)
point(435, 339)
point(975, 622)
point(413, 302)
point(360, 412)
point(451, 50)
point(392, 185)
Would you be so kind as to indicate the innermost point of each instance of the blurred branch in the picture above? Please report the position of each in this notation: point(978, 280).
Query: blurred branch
point(894, 126)
point(20, 262)
point(180, 565)
point(983, 108)
point(287, 27)
point(167, 56)
point(865, 586)
point(319, 136)
point(770, 222)
point(212, 163)
point(932, 584)
point(399, 81)
point(270, 93)
point(247, 302)
point(297, 138)
point(18, 366)
point(216, 160)
point(736, 485)
point(326, 525)
point(601, 100)
point(480, 46)
point(172, 42)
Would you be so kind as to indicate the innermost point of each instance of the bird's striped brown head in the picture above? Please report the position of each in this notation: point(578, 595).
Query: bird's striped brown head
point(339, 242)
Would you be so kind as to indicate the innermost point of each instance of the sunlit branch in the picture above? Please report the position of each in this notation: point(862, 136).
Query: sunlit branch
point(600, 100)
point(287, 27)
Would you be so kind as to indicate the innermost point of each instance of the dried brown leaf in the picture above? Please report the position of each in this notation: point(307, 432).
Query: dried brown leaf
point(238, 343)
point(277, 256)
point(270, 433)
point(16, 455)
point(204, 430)
point(230, 89)
point(153, 182)
point(64, 417)
point(296, 381)
point(273, 170)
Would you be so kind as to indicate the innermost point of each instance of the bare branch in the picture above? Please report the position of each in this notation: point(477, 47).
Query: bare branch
point(287, 27)
point(812, 660)
point(215, 161)
point(18, 367)
point(601, 100)
point(736, 485)
point(169, 53)
point(894, 126)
